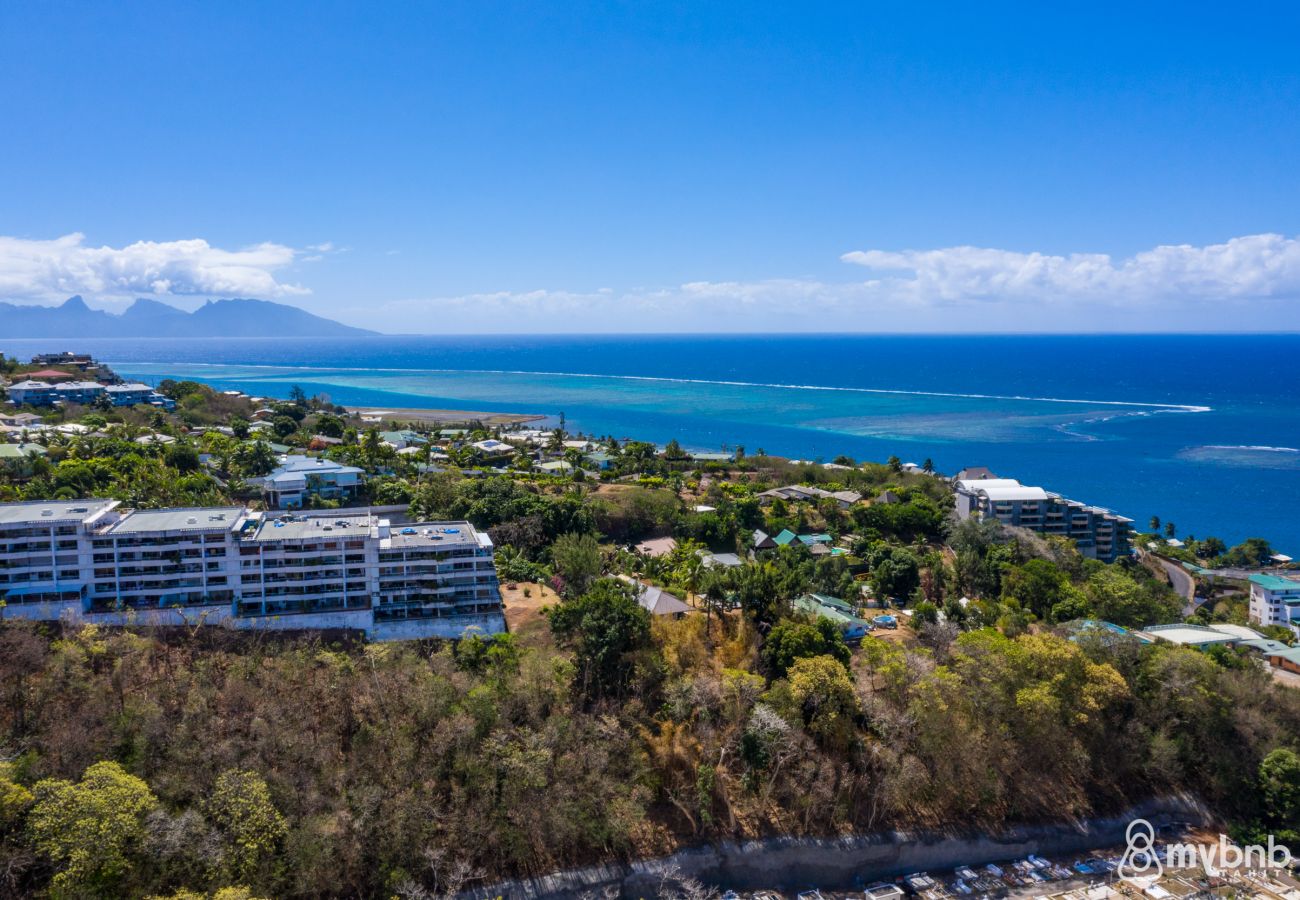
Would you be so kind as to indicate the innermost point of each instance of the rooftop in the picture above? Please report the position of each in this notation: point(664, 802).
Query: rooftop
point(1276, 582)
point(435, 534)
point(217, 518)
point(299, 527)
point(46, 511)
point(1008, 493)
point(1187, 635)
point(979, 484)
point(311, 464)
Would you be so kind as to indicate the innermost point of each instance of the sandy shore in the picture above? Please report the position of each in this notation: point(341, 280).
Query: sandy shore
point(445, 416)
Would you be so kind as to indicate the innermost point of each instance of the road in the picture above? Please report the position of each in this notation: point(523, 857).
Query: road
point(1182, 582)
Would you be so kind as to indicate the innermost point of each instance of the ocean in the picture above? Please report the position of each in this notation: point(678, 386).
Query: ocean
point(1201, 430)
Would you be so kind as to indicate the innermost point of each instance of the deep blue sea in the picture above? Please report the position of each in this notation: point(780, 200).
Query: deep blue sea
point(1201, 430)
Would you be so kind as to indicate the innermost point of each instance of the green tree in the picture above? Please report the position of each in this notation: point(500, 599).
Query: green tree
point(1210, 548)
point(577, 561)
point(240, 807)
point(896, 576)
point(90, 830)
point(182, 457)
point(791, 640)
point(1279, 786)
point(823, 693)
point(1037, 586)
point(1116, 597)
point(1155, 524)
point(283, 426)
point(604, 628)
point(14, 798)
point(330, 426)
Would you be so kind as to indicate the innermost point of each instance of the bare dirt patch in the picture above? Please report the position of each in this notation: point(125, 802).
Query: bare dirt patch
point(523, 603)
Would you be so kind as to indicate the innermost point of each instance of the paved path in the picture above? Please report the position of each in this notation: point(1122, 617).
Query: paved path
point(1182, 582)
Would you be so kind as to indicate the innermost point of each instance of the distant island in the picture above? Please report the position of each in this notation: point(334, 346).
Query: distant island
point(152, 319)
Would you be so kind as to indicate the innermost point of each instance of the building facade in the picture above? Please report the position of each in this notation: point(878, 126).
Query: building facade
point(1275, 600)
point(84, 393)
point(299, 478)
point(333, 569)
point(1098, 533)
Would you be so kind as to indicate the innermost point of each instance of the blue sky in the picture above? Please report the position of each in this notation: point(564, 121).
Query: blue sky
point(660, 167)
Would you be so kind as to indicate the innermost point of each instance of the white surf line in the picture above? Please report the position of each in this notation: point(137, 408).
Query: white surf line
point(1260, 447)
point(1159, 407)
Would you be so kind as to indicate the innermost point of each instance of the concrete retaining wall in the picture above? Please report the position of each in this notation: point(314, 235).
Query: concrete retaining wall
point(456, 627)
point(347, 620)
point(792, 864)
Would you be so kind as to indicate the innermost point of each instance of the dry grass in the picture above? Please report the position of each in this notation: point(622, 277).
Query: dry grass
point(524, 613)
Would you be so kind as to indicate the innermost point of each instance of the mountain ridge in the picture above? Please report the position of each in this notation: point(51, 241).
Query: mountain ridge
point(145, 318)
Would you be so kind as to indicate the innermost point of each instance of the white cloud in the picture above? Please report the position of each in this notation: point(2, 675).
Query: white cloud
point(1255, 266)
point(955, 288)
point(49, 270)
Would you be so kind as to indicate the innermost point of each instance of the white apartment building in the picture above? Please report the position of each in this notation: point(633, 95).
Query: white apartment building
point(1098, 533)
point(1275, 600)
point(44, 554)
point(348, 569)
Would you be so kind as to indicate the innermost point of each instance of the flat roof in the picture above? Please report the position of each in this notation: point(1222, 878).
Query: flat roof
point(305, 464)
point(207, 518)
point(976, 484)
point(1019, 492)
point(432, 534)
point(297, 527)
point(1189, 635)
point(34, 511)
point(1240, 632)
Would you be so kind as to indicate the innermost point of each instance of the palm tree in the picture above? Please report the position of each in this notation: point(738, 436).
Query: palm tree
point(928, 466)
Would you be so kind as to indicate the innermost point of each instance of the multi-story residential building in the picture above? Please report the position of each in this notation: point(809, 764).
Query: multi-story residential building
point(347, 569)
point(31, 393)
point(1275, 600)
point(44, 555)
point(40, 393)
point(307, 564)
point(161, 558)
point(1099, 533)
point(134, 393)
point(298, 478)
point(435, 571)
